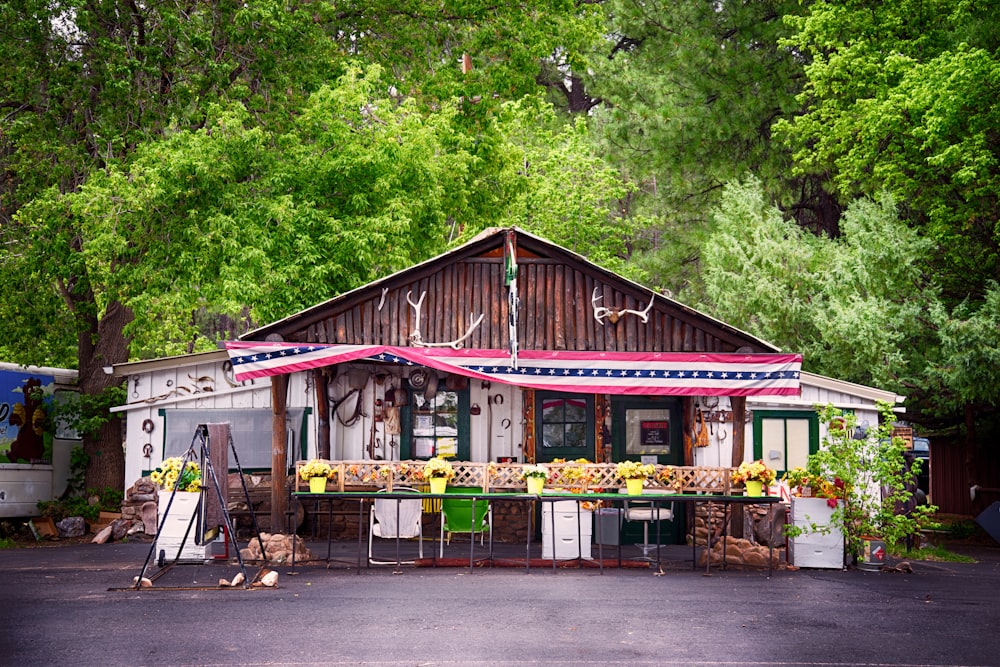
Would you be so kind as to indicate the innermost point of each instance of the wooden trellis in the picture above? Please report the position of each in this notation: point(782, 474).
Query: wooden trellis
point(507, 476)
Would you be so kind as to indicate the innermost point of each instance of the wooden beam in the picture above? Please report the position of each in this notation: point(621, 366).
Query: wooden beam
point(739, 407)
point(322, 413)
point(279, 451)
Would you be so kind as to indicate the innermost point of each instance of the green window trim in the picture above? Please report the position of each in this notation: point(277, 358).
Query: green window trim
point(406, 413)
point(759, 417)
point(587, 422)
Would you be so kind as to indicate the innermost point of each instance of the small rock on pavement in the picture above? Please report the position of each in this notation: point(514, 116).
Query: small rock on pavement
point(72, 526)
point(103, 536)
point(270, 579)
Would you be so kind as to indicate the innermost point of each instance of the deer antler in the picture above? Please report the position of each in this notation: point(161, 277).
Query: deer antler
point(457, 343)
point(417, 340)
point(641, 314)
point(615, 314)
point(415, 336)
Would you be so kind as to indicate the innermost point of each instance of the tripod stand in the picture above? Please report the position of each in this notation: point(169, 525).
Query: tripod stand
point(210, 481)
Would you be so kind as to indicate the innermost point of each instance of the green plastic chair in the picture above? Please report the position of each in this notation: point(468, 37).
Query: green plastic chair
point(456, 517)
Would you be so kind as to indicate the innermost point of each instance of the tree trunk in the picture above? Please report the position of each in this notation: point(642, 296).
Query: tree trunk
point(103, 343)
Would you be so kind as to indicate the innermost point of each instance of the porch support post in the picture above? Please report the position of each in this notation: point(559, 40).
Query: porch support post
point(322, 414)
point(279, 451)
point(739, 407)
point(688, 422)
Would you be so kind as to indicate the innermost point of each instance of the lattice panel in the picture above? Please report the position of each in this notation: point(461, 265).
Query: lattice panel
point(507, 476)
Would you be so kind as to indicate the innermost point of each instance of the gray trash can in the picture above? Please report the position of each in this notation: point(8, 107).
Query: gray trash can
point(607, 525)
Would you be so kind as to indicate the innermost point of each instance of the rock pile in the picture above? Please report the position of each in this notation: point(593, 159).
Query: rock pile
point(738, 551)
point(278, 547)
point(139, 507)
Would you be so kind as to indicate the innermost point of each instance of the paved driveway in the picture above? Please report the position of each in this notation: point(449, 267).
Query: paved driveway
point(56, 609)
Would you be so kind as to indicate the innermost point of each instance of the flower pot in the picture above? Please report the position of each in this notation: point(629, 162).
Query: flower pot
point(317, 485)
point(634, 486)
point(872, 554)
point(535, 485)
point(438, 484)
point(753, 488)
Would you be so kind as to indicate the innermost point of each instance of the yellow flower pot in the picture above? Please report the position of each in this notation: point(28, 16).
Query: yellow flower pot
point(535, 485)
point(438, 484)
point(753, 488)
point(634, 486)
point(317, 485)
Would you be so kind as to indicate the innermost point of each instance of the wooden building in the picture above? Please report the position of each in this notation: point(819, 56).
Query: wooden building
point(422, 363)
point(560, 357)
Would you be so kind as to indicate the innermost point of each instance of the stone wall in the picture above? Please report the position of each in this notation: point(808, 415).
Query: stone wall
point(749, 539)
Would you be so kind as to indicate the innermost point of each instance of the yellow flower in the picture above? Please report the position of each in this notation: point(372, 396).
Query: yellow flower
point(168, 475)
point(437, 467)
point(634, 470)
point(316, 468)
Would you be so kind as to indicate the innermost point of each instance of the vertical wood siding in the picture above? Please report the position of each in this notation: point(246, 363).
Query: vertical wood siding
point(556, 312)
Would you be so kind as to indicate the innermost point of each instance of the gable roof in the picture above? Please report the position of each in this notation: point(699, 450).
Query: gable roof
point(560, 296)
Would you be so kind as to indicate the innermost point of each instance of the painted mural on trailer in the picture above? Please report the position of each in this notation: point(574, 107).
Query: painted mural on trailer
point(25, 401)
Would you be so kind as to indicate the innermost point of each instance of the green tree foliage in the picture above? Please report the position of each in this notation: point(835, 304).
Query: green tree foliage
point(509, 47)
point(692, 90)
point(569, 193)
point(237, 220)
point(142, 146)
point(857, 307)
point(902, 97)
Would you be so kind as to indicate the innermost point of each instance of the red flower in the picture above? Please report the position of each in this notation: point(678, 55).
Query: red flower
point(831, 502)
point(839, 483)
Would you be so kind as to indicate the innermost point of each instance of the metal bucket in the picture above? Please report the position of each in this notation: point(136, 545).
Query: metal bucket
point(873, 554)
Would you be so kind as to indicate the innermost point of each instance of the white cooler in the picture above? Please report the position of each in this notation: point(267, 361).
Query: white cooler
point(816, 549)
point(566, 530)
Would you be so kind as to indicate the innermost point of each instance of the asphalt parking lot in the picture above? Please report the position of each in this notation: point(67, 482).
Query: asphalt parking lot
point(66, 606)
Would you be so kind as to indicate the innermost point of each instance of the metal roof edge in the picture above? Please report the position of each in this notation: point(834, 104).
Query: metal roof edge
point(62, 375)
point(669, 299)
point(852, 388)
point(478, 238)
point(161, 363)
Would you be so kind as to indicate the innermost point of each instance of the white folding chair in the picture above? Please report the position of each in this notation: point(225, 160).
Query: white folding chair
point(647, 512)
point(391, 518)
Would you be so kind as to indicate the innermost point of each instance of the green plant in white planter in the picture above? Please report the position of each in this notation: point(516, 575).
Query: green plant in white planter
point(871, 473)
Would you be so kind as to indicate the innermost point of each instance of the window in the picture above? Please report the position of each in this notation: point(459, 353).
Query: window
point(436, 426)
point(785, 439)
point(647, 428)
point(564, 426)
point(250, 428)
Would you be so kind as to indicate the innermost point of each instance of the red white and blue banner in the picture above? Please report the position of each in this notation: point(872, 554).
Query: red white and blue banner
point(643, 373)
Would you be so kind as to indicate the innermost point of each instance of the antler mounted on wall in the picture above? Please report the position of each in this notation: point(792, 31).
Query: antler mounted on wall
point(417, 341)
point(615, 314)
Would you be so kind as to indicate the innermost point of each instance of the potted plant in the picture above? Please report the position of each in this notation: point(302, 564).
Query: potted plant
point(437, 471)
point(175, 473)
point(576, 474)
point(635, 475)
point(535, 476)
point(804, 483)
point(869, 471)
point(316, 472)
point(755, 476)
